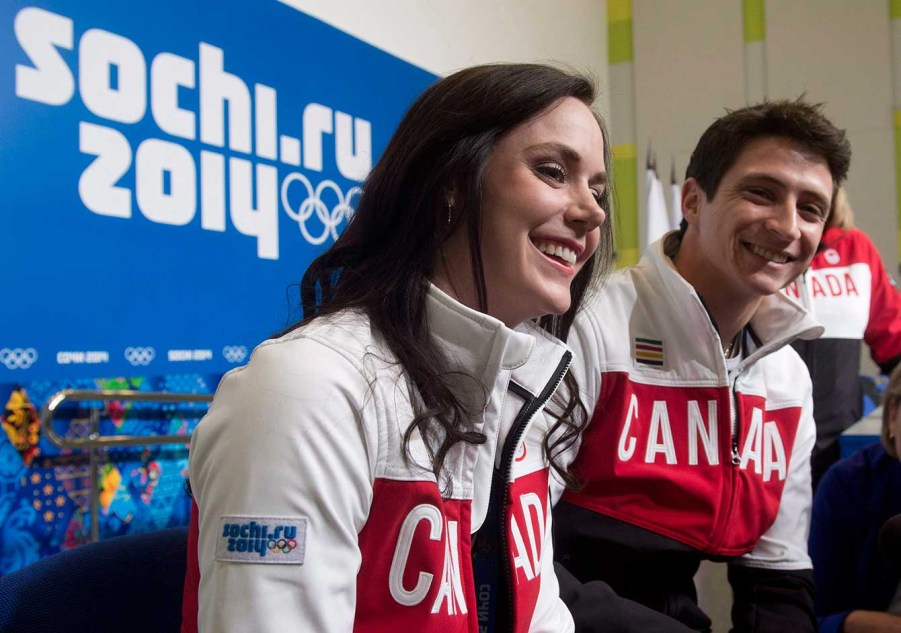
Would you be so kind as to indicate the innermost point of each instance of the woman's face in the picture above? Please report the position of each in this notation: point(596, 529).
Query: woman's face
point(540, 216)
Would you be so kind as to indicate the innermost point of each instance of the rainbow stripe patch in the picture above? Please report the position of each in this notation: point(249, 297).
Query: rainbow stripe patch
point(648, 351)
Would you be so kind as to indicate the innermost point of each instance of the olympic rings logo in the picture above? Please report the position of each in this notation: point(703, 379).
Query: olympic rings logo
point(18, 358)
point(139, 356)
point(234, 353)
point(285, 546)
point(330, 218)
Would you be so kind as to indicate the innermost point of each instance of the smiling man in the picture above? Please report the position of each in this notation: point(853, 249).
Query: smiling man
point(702, 428)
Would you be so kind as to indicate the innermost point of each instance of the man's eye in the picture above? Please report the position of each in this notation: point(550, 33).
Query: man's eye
point(552, 170)
point(814, 210)
point(759, 192)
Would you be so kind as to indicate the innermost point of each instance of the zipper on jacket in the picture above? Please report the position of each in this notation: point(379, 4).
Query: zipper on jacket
point(733, 414)
point(531, 406)
point(735, 429)
point(732, 379)
point(718, 534)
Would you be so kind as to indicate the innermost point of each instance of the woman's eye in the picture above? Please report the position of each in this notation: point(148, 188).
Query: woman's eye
point(553, 171)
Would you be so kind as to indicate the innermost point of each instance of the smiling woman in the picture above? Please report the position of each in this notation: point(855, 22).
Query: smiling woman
point(542, 194)
point(407, 431)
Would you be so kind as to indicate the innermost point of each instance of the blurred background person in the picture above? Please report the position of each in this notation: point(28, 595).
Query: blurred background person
point(849, 291)
point(856, 579)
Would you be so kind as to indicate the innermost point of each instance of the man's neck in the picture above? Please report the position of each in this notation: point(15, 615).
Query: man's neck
point(729, 313)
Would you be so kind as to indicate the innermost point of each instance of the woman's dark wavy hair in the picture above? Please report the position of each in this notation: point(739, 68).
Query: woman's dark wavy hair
point(383, 260)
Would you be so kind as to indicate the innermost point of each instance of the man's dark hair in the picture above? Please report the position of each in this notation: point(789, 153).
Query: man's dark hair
point(802, 122)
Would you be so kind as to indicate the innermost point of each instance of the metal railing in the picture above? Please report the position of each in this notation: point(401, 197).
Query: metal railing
point(94, 442)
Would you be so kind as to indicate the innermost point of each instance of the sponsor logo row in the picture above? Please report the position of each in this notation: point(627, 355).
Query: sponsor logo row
point(14, 358)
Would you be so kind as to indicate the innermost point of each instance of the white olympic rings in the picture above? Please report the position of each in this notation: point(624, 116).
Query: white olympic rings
point(313, 203)
point(139, 356)
point(234, 353)
point(18, 358)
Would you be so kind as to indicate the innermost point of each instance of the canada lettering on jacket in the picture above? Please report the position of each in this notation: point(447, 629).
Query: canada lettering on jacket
point(763, 450)
point(450, 597)
point(827, 285)
point(526, 547)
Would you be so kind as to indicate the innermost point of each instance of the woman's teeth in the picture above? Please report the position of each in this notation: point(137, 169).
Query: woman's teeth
point(556, 250)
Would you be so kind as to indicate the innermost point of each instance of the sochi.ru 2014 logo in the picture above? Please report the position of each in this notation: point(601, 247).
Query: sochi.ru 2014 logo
point(230, 180)
point(139, 356)
point(18, 358)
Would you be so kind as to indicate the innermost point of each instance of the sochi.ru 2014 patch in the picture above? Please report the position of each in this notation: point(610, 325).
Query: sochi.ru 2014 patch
point(276, 540)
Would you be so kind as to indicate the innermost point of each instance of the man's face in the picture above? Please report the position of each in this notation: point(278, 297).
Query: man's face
point(762, 227)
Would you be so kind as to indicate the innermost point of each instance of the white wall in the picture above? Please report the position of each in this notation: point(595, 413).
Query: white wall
point(688, 62)
point(445, 35)
point(689, 67)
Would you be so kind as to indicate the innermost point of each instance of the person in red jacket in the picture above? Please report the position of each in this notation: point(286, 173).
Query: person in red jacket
point(850, 293)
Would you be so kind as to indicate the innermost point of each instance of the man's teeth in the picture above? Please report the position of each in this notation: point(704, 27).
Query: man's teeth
point(770, 255)
point(556, 250)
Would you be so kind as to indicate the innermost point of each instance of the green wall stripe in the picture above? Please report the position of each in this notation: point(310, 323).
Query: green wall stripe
point(755, 20)
point(619, 42)
point(625, 184)
point(895, 8)
point(619, 31)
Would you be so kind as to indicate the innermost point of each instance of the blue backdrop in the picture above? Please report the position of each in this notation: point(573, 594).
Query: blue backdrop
point(169, 169)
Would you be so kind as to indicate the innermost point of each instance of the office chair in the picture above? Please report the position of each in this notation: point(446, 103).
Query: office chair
point(129, 584)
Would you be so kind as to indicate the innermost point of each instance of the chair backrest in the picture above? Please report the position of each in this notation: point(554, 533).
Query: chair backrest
point(130, 583)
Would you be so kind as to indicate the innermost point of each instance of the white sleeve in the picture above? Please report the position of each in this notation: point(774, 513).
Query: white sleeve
point(284, 443)
point(784, 544)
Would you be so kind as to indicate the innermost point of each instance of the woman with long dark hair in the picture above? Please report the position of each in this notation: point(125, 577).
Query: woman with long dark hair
point(385, 464)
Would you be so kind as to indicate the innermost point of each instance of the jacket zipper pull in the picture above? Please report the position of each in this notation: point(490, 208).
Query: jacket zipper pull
point(735, 458)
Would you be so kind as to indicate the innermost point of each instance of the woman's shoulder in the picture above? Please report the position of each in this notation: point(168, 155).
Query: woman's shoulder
point(348, 334)
point(333, 349)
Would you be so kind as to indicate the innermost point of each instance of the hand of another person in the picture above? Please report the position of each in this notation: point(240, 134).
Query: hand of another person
point(871, 622)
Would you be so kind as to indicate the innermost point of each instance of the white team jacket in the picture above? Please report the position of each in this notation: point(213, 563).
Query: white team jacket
point(311, 520)
point(678, 444)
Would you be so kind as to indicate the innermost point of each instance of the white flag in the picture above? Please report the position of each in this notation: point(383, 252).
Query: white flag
point(657, 220)
point(675, 200)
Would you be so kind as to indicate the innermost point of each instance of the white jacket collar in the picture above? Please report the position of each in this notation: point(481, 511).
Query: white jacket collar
point(481, 345)
point(778, 320)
